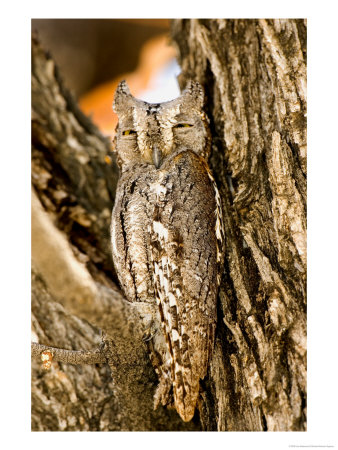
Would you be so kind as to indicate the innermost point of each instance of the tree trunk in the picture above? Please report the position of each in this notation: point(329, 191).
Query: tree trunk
point(254, 76)
point(254, 73)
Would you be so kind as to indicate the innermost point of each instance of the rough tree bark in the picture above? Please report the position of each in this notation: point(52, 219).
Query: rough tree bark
point(254, 74)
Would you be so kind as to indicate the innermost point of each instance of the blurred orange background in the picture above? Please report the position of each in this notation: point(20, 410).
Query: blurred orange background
point(94, 55)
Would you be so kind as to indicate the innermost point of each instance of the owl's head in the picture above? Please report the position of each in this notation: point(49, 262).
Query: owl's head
point(152, 132)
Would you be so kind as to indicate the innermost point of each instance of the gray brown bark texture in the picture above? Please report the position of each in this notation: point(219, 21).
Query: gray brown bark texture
point(254, 75)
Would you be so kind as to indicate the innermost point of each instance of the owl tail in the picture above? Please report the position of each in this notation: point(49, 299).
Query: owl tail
point(185, 397)
point(190, 366)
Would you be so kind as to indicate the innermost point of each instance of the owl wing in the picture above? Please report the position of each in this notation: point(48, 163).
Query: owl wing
point(186, 252)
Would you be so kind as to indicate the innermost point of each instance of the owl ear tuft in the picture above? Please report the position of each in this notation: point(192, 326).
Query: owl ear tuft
point(122, 98)
point(123, 88)
point(195, 91)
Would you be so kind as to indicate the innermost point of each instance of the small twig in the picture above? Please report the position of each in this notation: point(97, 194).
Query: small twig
point(95, 356)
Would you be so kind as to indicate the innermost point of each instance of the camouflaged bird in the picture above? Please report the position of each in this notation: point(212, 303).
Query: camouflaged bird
point(167, 235)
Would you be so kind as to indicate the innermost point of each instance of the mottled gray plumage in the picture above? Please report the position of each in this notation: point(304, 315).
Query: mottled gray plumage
point(167, 235)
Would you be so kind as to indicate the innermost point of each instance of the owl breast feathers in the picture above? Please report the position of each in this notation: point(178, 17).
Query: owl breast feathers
point(167, 235)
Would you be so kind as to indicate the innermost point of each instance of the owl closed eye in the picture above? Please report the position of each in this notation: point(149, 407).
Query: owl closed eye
point(131, 133)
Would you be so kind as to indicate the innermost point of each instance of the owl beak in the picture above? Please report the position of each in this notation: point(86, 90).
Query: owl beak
point(157, 156)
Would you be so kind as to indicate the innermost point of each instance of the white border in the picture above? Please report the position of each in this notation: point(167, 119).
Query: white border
point(15, 223)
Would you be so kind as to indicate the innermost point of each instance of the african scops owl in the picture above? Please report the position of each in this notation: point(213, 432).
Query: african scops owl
point(167, 235)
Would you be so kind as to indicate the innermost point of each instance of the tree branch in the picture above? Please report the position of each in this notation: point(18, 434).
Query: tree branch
point(95, 356)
